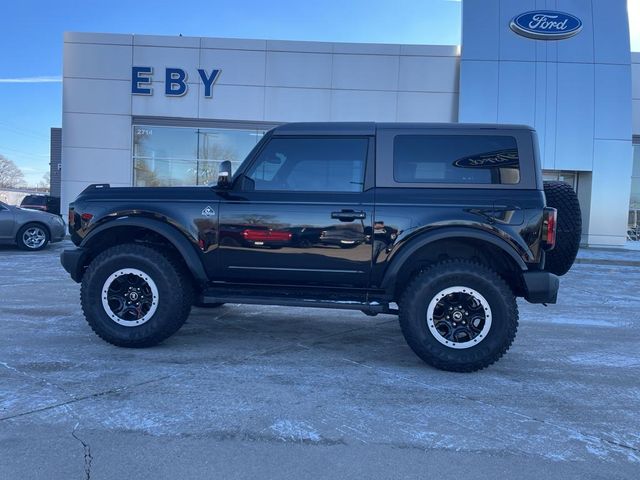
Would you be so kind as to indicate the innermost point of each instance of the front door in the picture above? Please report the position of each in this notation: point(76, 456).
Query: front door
point(301, 216)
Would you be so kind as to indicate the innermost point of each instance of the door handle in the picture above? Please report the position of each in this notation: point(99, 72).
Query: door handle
point(348, 215)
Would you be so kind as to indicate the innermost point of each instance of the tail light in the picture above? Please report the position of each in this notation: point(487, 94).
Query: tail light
point(71, 218)
point(549, 225)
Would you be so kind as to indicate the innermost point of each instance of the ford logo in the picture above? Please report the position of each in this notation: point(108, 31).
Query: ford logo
point(546, 25)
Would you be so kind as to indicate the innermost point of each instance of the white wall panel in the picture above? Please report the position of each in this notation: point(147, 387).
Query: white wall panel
point(574, 116)
point(428, 74)
point(352, 105)
point(612, 108)
point(160, 105)
point(97, 38)
point(96, 131)
point(98, 165)
point(297, 104)
point(365, 72)
point(286, 69)
point(427, 107)
point(305, 47)
point(83, 95)
point(161, 58)
point(480, 30)
point(97, 61)
point(514, 106)
point(233, 102)
point(635, 80)
point(578, 48)
point(636, 116)
point(238, 67)
point(367, 48)
point(513, 46)
point(611, 37)
point(611, 186)
point(478, 91)
point(167, 41)
point(550, 101)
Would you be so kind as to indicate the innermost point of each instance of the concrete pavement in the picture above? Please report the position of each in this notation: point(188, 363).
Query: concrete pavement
point(271, 392)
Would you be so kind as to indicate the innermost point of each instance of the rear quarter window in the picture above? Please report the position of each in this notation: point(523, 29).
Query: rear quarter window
point(456, 159)
point(34, 200)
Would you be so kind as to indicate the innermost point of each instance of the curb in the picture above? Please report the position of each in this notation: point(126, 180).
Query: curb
point(605, 261)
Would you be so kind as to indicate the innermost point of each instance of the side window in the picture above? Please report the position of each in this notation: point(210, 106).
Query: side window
point(474, 159)
point(311, 165)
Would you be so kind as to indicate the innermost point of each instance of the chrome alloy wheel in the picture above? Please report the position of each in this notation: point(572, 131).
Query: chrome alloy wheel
point(130, 297)
point(459, 317)
point(34, 237)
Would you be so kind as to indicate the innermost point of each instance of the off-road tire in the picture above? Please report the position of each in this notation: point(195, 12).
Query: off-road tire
point(24, 228)
point(427, 284)
point(563, 198)
point(175, 295)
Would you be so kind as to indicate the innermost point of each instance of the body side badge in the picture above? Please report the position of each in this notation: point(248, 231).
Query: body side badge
point(208, 211)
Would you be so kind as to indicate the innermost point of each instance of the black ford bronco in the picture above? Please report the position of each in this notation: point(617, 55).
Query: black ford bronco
point(442, 224)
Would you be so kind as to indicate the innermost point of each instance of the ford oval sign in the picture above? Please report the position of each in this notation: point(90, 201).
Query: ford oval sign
point(546, 25)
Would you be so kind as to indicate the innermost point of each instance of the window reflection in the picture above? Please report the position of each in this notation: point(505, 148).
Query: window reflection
point(174, 156)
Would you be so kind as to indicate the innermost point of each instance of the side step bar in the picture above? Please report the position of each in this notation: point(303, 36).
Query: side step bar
point(353, 302)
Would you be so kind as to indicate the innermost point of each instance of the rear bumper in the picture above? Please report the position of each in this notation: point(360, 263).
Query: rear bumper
point(73, 262)
point(541, 287)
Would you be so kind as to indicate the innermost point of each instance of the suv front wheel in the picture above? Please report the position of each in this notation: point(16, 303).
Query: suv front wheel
point(458, 315)
point(135, 296)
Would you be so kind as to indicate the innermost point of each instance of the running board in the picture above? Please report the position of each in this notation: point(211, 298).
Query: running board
point(295, 299)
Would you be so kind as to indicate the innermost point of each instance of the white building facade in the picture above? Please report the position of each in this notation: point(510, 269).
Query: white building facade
point(152, 110)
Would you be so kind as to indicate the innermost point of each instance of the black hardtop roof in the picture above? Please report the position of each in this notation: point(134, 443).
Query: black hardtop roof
point(369, 128)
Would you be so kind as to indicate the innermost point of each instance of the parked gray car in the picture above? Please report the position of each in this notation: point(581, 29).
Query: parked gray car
point(29, 229)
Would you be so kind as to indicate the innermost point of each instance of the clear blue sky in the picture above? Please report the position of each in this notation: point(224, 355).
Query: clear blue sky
point(31, 46)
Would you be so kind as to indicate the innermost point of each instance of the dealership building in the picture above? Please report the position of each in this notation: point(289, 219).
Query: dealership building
point(158, 110)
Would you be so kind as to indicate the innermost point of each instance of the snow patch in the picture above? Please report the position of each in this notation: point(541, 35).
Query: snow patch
point(297, 431)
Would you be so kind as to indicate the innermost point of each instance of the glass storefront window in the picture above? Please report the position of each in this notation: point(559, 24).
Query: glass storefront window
point(633, 232)
point(173, 156)
point(635, 178)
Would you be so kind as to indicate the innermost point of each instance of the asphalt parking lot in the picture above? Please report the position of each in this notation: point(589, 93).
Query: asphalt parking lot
point(268, 392)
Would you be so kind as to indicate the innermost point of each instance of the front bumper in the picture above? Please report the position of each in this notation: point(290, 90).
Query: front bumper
point(73, 261)
point(541, 287)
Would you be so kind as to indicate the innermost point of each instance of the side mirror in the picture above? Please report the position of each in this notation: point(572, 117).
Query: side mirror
point(224, 174)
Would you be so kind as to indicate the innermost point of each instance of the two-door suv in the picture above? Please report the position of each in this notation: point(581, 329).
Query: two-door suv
point(442, 224)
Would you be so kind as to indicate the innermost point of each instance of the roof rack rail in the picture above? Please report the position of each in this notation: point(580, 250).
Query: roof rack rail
point(96, 186)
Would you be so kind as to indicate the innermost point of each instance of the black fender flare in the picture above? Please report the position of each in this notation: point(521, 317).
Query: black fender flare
point(172, 234)
point(406, 251)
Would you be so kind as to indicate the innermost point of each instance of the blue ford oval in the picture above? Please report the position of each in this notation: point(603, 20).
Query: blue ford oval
point(546, 25)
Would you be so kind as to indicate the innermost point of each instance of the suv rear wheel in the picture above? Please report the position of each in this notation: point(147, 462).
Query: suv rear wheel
point(459, 315)
point(135, 296)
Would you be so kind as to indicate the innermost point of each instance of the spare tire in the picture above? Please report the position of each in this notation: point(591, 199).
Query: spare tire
point(563, 198)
